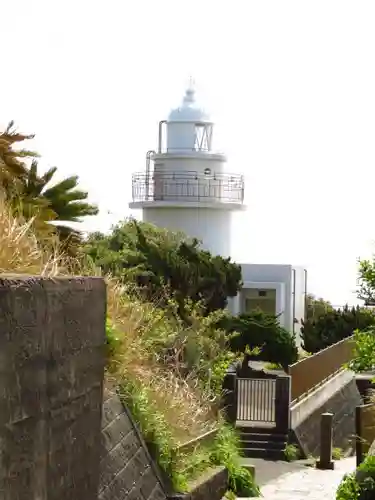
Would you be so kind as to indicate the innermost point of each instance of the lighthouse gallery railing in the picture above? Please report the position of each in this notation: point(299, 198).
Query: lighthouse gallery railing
point(187, 186)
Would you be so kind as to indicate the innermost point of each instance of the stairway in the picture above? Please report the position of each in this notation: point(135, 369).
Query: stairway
point(258, 442)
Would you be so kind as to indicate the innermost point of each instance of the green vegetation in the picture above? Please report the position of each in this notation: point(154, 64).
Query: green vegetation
point(337, 453)
point(366, 281)
point(316, 307)
point(334, 325)
point(364, 351)
point(291, 453)
point(260, 330)
point(273, 366)
point(359, 485)
point(166, 265)
point(31, 195)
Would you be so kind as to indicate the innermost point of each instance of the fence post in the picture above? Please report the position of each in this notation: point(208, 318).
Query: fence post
point(282, 403)
point(326, 461)
point(230, 395)
point(358, 435)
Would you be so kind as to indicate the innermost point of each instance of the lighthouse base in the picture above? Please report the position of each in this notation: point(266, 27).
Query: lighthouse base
point(211, 226)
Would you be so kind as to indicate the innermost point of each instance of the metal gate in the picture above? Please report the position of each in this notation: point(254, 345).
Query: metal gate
point(256, 400)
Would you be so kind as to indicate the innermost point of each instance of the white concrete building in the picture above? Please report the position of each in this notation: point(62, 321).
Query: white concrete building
point(275, 289)
point(186, 187)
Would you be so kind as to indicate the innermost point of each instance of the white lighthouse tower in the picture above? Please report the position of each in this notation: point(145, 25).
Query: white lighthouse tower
point(185, 186)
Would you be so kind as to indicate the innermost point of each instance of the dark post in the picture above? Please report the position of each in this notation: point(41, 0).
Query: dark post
point(358, 435)
point(326, 461)
point(282, 403)
point(230, 395)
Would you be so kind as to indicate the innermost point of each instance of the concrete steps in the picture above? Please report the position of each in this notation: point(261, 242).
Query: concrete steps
point(263, 443)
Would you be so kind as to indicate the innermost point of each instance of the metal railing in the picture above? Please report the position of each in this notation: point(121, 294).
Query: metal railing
point(187, 186)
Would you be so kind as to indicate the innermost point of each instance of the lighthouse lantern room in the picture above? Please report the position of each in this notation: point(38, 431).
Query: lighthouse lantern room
point(185, 186)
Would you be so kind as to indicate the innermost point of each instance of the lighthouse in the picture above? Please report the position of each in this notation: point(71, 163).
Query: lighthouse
point(185, 186)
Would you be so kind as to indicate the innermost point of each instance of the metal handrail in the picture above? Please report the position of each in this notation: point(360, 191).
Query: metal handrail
point(187, 174)
point(187, 186)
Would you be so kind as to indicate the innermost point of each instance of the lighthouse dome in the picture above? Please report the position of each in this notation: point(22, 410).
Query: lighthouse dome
point(189, 111)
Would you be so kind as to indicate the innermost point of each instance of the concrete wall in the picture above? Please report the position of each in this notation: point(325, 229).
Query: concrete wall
point(52, 333)
point(338, 395)
point(126, 469)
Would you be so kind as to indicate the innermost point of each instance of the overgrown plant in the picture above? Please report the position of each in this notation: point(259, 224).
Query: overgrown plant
point(364, 351)
point(291, 453)
point(337, 453)
point(226, 451)
point(334, 325)
point(361, 484)
point(157, 260)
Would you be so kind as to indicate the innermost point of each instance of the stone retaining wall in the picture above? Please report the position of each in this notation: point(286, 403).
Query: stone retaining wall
point(126, 469)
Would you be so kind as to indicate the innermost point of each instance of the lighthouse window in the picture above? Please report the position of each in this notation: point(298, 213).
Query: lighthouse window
point(207, 171)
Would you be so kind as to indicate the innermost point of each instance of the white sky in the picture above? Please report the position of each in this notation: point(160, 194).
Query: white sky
point(290, 84)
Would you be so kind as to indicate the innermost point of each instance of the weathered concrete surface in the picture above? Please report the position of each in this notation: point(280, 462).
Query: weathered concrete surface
point(211, 485)
point(126, 469)
point(342, 403)
point(308, 483)
point(266, 471)
point(52, 335)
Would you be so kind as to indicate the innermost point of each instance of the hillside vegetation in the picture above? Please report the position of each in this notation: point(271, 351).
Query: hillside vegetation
point(167, 366)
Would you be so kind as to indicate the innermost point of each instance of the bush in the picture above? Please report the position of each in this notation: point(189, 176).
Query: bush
point(291, 453)
point(165, 264)
point(258, 329)
point(361, 484)
point(226, 452)
point(334, 325)
point(364, 351)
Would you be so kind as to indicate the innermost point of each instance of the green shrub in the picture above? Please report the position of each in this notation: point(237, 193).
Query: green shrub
point(155, 430)
point(112, 340)
point(334, 325)
point(165, 264)
point(273, 366)
point(291, 453)
point(226, 452)
point(361, 484)
point(337, 453)
point(364, 351)
point(258, 329)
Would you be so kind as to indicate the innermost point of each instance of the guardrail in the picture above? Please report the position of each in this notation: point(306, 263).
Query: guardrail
point(314, 370)
point(187, 186)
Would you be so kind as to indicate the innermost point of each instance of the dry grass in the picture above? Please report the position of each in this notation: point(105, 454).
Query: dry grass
point(185, 409)
point(20, 251)
point(187, 412)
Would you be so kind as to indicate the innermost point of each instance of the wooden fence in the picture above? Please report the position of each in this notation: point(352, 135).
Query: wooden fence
point(313, 370)
point(365, 430)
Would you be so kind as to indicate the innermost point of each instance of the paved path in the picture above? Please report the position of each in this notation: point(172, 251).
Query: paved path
point(308, 483)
